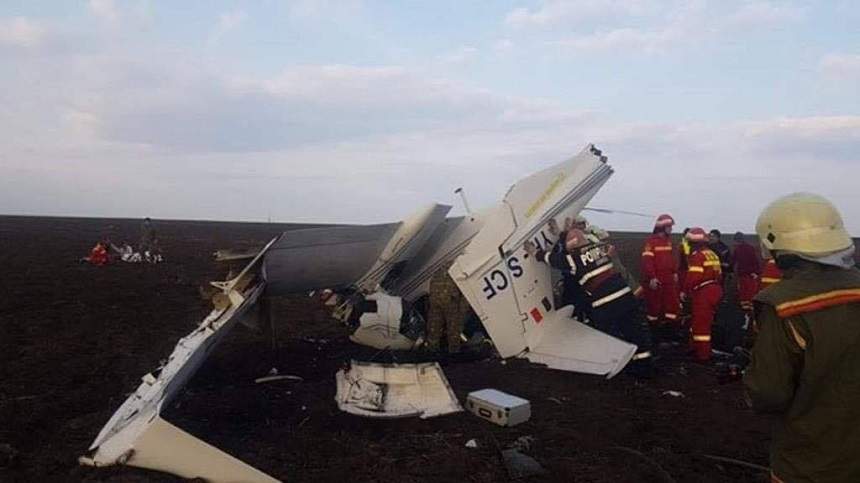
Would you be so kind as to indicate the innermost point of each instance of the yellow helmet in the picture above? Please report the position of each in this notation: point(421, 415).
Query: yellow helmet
point(802, 223)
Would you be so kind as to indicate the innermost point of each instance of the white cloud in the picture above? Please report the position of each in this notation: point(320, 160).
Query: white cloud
point(649, 27)
point(460, 56)
point(761, 14)
point(105, 10)
point(21, 32)
point(555, 12)
point(227, 22)
point(841, 66)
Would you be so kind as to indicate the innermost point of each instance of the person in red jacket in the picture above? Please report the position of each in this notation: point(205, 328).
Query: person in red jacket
point(747, 269)
point(98, 255)
point(659, 274)
point(703, 286)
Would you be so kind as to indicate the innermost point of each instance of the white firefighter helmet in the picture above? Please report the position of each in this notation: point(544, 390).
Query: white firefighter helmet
point(802, 223)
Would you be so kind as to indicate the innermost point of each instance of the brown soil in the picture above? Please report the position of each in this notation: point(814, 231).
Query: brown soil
point(75, 339)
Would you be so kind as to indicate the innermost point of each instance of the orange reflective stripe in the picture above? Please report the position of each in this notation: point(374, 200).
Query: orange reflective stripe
point(662, 249)
point(696, 269)
point(818, 302)
point(801, 342)
point(770, 280)
point(647, 254)
point(701, 338)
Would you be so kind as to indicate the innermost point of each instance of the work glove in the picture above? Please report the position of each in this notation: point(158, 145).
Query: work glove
point(654, 284)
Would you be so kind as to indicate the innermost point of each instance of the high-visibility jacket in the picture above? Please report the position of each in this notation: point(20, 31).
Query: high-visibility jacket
point(746, 260)
point(703, 268)
point(770, 274)
point(658, 258)
point(98, 255)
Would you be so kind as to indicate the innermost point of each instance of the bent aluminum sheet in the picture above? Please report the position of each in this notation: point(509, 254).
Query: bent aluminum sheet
point(395, 390)
point(135, 435)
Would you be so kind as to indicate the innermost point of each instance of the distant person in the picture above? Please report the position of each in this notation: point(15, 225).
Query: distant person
point(702, 286)
point(715, 243)
point(98, 254)
point(147, 236)
point(746, 268)
point(805, 367)
point(659, 276)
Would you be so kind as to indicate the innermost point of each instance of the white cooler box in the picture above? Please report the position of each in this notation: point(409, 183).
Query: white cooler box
point(498, 407)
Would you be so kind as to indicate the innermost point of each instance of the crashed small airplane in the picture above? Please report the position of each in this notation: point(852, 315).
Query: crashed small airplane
point(377, 271)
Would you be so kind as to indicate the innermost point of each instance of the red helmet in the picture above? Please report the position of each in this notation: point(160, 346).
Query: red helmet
point(664, 220)
point(697, 235)
point(575, 238)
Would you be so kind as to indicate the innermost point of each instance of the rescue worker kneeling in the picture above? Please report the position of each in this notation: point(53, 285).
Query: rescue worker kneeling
point(703, 285)
point(805, 366)
point(613, 308)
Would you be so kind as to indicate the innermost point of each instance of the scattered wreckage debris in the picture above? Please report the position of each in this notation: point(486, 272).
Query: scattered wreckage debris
point(673, 393)
point(472, 443)
point(273, 376)
point(395, 390)
point(230, 255)
point(136, 435)
point(498, 407)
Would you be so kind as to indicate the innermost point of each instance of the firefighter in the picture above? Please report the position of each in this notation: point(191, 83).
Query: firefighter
point(746, 268)
point(715, 243)
point(598, 235)
point(613, 308)
point(805, 367)
point(659, 275)
point(446, 312)
point(702, 286)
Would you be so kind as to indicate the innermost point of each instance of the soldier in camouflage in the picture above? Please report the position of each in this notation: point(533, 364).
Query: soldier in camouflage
point(446, 311)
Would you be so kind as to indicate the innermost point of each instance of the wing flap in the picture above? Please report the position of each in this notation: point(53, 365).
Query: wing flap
point(568, 345)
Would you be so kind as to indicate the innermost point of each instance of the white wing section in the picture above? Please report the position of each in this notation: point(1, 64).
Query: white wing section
point(512, 294)
point(137, 436)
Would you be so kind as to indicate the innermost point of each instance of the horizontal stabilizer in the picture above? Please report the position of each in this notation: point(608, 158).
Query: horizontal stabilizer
point(568, 345)
point(164, 447)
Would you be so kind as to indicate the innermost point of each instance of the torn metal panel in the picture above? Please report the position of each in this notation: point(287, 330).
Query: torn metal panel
point(395, 390)
point(512, 293)
point(135, 434)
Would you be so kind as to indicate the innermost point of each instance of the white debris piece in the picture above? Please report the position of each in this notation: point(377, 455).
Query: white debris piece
point(395, 390)
point(673, 393)
point(472, 443)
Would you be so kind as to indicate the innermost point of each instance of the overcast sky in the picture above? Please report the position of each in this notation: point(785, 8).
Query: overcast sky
point(361, 111)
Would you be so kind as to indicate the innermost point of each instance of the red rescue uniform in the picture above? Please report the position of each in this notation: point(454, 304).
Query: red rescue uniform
point(98, 255)
point(660, 261)
point(770, 274)
point(747, 269)
point(702, 285)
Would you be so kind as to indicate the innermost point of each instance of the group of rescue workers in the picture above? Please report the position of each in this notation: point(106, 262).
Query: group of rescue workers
point(149, 250)
point(802, 310)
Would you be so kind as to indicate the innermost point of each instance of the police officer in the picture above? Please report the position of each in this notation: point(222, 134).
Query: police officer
point(805, 366)
point(613, 308)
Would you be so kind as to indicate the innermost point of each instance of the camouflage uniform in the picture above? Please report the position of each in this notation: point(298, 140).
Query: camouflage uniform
point(446, 310)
